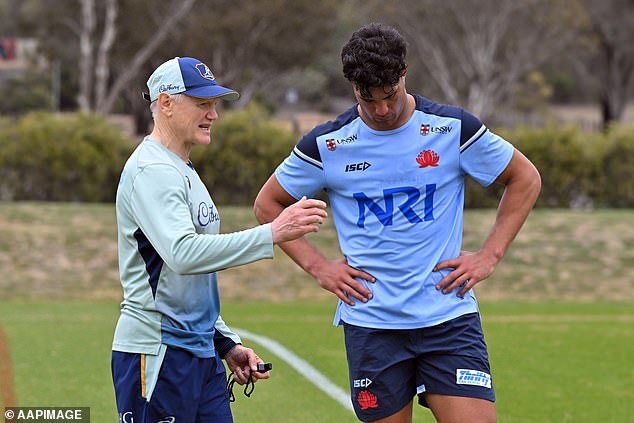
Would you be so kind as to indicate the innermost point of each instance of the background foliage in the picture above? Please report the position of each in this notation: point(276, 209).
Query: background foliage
point(78, 157)
point(74, 157)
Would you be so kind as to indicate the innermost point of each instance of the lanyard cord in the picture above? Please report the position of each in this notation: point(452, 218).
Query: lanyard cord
point(248, 388)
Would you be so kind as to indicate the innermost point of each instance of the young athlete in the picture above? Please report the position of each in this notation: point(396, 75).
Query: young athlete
point(393, 166)
point(170, 338)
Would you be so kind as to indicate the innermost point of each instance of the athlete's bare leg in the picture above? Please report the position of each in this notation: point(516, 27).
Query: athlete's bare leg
point(404, 415)
point(451, 409)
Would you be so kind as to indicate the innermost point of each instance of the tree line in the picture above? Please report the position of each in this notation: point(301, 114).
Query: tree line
point(489, 56)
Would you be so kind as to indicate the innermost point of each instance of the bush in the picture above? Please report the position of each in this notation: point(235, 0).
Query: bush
point(46, 157)
point(79, 157)
point(615, 187)
point(25, 92)
point(246, 147)
point(565, 158)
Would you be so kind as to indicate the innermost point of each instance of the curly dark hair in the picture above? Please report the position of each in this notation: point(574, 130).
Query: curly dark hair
point(374, 57)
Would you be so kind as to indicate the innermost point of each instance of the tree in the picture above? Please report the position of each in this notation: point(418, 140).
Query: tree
point(86, 32)
point(476, 53)
point(106, 93)
point(253, 44)
point(609, 60)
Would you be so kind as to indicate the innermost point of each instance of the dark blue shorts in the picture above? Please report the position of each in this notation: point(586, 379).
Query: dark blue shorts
point(388, 367)
point(173, 386)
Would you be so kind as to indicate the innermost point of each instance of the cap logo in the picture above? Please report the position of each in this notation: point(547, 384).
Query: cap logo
point(204, 71)
point(168, 87)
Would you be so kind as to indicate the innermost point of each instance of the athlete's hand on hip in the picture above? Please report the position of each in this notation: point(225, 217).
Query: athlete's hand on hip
point(243, 362)
point(339, 278)
point(468, 270)
point(298, 219)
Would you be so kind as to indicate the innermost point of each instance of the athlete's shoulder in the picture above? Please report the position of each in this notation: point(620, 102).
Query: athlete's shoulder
point(308, 144)
point(470, 125)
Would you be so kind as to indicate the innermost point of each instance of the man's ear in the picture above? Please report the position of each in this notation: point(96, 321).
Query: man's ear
point(165, 103)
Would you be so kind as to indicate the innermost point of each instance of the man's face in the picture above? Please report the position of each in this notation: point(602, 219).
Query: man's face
point(383, 109)
point(194, 117)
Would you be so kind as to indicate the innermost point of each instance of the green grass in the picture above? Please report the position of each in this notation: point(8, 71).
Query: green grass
point(66, 250)
point(551, 362)
point(558, 315)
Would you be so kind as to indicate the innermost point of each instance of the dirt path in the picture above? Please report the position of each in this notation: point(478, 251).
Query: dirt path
point(7, 391)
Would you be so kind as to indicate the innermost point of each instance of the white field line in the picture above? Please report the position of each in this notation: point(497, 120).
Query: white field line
point(301, 366)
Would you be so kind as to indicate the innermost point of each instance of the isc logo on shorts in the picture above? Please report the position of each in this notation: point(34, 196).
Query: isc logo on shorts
point(361, 383)
point(473, 377)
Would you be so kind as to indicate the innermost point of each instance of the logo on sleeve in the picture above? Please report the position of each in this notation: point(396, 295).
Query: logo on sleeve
point(473, 377)
point(427, 158)
point(331, 144)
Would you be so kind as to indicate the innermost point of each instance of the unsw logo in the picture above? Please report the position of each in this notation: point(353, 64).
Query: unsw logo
point(331, 143)
point(426, 128)
point(427, 158)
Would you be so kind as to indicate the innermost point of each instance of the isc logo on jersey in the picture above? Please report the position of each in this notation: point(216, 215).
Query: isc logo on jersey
point(353, 167)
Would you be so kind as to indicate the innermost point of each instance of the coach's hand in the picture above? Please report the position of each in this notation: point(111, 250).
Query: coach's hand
point(243, 361)
point(298, 219)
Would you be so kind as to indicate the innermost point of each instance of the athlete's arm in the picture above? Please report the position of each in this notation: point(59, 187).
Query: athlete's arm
point(522, 186)
point(335, 276)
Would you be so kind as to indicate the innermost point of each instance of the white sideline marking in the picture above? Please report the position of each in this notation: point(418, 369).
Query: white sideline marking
point(301, 366)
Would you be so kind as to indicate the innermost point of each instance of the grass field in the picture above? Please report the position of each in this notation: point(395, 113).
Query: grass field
point(552, 363)
point(558, 315)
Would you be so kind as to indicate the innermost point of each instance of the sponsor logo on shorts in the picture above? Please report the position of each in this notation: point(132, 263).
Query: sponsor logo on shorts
point(170, 419)
point(367, 399)
point(126, 417)
point(473, 377)
point(361, 383)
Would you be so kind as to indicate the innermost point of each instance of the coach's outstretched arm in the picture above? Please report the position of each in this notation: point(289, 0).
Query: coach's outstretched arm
point(335, 276)
point(522, 186)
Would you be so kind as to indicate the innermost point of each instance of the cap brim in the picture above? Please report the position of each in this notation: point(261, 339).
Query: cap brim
point(214, 91)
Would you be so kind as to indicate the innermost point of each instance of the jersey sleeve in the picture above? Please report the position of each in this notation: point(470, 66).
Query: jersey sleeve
point(224, 337)
point(302, 173)
point(160, 206)
point(483, 154)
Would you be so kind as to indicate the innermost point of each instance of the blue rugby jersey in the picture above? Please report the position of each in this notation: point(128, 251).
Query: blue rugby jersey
point(169, 252)
point(397, 202)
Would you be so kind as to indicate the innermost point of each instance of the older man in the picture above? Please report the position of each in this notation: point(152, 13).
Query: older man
point(170, 338)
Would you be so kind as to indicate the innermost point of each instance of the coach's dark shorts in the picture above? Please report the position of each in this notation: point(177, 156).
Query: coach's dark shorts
point(388, 367)
point(173, 386)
